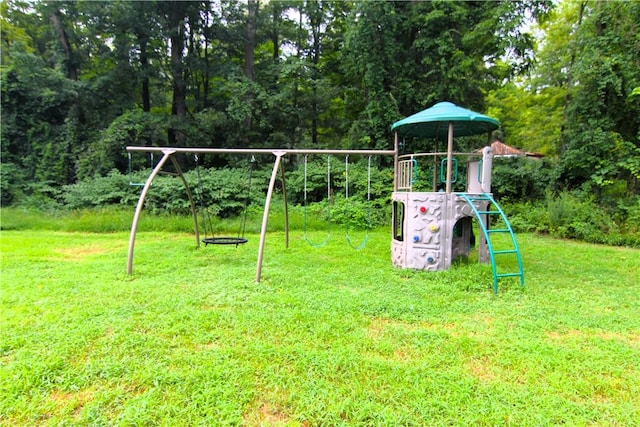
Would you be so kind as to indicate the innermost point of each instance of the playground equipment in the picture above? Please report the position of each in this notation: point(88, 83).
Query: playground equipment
point(207, 223)
point(430, 228)
point(168, 154)
point(305, 207)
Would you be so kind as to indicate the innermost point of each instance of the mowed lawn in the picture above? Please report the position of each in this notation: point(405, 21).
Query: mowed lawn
point(330, 336)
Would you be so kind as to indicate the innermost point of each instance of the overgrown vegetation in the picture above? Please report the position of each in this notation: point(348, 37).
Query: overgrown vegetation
point(535, 202)
point(83, 80)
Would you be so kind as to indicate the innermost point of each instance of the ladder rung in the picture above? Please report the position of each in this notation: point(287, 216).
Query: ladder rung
point(507, 251)
point(489, 212)
point(498, 230)
point(509, 274)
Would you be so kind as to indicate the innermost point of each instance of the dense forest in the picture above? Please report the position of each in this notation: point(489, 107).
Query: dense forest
point(81, 80)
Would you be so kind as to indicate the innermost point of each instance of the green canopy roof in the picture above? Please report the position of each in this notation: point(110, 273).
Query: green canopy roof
point(434, 122)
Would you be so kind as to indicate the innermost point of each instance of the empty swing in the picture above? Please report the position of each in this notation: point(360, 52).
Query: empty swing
point(305, 207)
point(346, 197)
point(206, 219)
point(130, 170)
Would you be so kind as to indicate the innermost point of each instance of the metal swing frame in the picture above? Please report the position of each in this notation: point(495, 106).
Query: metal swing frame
point(168, 155)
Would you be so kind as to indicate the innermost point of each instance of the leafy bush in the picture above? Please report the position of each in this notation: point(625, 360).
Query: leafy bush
point(113, 189)
point(11, 187)
point(358, 214)
point(575, 216)
point(578, 217)
point(528, 217)
point(521, 179)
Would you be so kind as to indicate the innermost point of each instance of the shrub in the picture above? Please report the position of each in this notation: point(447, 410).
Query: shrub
point(113, 189)
point(11, 175)
point(518, 179)
point(528, 217)
point(578, 216)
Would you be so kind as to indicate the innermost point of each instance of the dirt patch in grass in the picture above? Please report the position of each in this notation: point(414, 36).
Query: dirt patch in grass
point(480, 369)
point(400, 341)
point(79, 253)
point(382, 326)
point(265, 414)
point(75, 401)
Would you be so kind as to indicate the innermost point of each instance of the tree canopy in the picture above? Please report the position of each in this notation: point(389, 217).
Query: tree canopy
point(81, 80)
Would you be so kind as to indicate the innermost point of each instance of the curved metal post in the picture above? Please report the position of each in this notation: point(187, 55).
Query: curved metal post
point(136, 216)
point(265, 214)
point(190, 196)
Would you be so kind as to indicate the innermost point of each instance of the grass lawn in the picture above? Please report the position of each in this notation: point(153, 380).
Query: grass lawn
point(331, 336)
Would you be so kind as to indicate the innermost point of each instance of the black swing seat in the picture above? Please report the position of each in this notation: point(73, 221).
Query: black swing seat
point(224, 241)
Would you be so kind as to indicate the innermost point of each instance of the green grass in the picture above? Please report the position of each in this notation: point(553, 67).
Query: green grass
point(331, 336)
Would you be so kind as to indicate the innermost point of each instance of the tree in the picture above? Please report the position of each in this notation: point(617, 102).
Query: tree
point(405, 56)
point(601, 134)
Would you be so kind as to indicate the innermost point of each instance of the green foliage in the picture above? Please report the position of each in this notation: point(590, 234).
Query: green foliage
point(222, 192)
point(112, 189)
point(39, 120)
point(596, 60)
point(135, 128)
point(530, 118)
point(521, 178)
point(576, 216)
point(11, 183)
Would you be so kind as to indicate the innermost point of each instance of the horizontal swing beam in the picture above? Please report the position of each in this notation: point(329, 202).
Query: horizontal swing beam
point(259, 151)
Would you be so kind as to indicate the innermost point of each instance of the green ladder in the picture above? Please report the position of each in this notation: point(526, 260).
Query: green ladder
point(494, 209)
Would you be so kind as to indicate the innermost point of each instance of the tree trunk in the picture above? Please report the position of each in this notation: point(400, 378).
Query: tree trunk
point(275, 35)
point(56, 20)
point(179, 104)
point(144, 65)
point(249, 61)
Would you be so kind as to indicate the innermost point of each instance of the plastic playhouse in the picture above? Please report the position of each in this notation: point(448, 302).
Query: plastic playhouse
point(432, 223)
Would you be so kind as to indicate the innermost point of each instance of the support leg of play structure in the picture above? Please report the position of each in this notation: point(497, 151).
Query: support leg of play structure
point(136, 217)
point(449, 157)
point(265, 214)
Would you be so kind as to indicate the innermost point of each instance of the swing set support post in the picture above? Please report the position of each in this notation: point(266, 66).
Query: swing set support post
point(194, 211)
point(265, 213)
point(167, 154)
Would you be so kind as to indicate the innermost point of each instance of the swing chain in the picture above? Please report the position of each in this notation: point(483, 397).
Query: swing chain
point(346, 173)
point(304, 221)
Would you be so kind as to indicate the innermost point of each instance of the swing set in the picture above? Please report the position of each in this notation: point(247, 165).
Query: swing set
point(168, 155)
